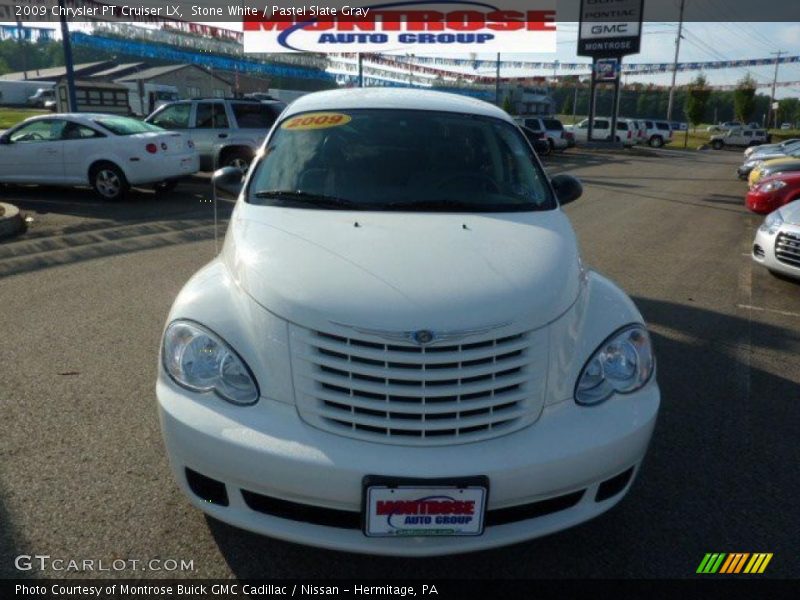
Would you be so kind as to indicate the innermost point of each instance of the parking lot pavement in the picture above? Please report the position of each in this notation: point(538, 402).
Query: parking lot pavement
point(83, 473)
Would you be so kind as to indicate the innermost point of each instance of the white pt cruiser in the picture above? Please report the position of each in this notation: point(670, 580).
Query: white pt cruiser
point(398, 350)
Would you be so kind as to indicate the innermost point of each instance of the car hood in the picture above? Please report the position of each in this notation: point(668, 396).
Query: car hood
point(791, 213)
point(405, 271)
point(774, 162)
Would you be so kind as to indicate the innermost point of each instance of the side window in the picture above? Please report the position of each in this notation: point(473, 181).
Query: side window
point(48, 130)
point(648, 124)
point(622, 126)
point(583, 124)
point(75, 131)
point(533, 124)
point(601, 124)
point(663, 126)
point(253, 116)
point(173, 117)
point(748, 134)
point(211, 115)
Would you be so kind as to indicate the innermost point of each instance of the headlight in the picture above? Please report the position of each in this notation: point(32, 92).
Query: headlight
point(772, 186)
point(201, 361)
point(773, 221)
point(623, 364)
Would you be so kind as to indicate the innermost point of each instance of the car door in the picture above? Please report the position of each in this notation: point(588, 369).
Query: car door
point(601, 129)
point(82, 144)
point(211, 129)
point(33, 153)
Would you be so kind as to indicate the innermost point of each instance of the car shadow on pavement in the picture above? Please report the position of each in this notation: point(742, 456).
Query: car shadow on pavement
point(83, 202)
point(724, 199)
point(11, 545)
point(720, 475)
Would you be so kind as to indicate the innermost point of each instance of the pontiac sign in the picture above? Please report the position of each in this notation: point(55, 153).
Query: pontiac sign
point(610, 27)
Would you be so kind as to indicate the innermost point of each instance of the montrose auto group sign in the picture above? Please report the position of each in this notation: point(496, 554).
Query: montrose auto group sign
point(404, 27)
point(610, 27)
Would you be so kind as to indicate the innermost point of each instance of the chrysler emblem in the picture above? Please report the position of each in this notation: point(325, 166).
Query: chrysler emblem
point(423, 337)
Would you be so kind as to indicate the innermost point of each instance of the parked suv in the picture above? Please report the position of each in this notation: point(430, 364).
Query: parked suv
point(226, 132)
point(551, 129)
point(658, 132)
point(739, 137)
point(601, 130)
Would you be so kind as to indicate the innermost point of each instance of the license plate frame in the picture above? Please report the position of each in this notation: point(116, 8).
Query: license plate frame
point(473, 489)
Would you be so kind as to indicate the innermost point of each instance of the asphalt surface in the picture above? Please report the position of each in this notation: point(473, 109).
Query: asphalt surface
point(85, 292)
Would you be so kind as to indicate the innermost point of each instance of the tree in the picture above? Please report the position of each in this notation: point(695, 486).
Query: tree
point(696, 100)
point(789, 110)
point(507, 106)
point(744, 98)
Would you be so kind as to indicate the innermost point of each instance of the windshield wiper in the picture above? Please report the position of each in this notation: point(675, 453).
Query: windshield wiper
point(430, 205)
point(309, 198)
point(449, 205)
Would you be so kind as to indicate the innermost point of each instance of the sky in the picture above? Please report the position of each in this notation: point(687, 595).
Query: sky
point(701, 42)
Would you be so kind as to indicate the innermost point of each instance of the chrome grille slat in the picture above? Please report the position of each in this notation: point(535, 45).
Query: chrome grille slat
point(420, 391)
point(368, 388)
point(423, 373)
point(413, 408)
point(787, 248)
point(431, 356)
point(423, 424)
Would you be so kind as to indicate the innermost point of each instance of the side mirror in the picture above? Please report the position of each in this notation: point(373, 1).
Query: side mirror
point(228, 180)
point(568, 188)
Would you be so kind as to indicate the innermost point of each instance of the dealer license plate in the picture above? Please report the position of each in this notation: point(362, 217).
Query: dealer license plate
point(415, 508)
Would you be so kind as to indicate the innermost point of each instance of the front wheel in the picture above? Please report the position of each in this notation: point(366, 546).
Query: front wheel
point(238, 160)
point(656, 141)
point(717, 144)
point(109, 182)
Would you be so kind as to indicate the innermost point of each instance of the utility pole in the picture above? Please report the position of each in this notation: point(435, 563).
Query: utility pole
point(73, 101)
point(360, 69)
point(774, 84)
point(675, 63)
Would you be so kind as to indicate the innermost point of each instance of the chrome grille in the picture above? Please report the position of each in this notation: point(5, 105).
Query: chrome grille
point(406, 394)
point(787, 248)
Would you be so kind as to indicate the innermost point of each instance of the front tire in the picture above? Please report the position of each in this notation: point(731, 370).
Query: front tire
point(717, 144)
point(656, 141)
point(238, 159)
point(109, 182)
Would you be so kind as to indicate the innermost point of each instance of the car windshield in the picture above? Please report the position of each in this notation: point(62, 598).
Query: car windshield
point(380, 159)
point(125, 125)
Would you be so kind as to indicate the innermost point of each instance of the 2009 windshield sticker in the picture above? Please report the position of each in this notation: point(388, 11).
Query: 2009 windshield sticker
point(321, 120)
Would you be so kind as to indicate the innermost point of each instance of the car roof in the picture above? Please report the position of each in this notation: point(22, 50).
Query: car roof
point(393, 98)
point(80, 117)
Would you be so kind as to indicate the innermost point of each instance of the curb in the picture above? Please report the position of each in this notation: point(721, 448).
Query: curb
point(11, 221)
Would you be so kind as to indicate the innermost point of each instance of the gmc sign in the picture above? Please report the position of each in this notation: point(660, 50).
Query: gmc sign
point(610, 28)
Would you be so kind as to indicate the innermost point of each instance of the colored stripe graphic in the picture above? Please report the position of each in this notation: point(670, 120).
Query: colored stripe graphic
point(734, 563)
point(711, 563)
point(758, 563)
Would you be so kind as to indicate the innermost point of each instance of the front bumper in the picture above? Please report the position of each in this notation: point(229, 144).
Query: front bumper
point(743, 172)
point(270, 452)
point(763, 252)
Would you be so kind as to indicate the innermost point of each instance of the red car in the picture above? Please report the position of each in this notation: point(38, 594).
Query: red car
point(773, 192)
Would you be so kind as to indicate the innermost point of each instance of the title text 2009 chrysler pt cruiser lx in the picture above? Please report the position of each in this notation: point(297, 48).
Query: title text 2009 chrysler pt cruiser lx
point(398, 350)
